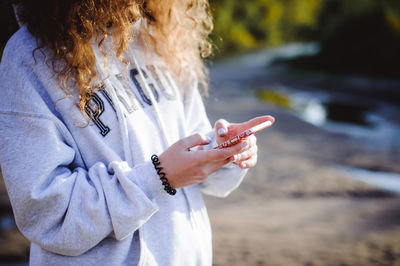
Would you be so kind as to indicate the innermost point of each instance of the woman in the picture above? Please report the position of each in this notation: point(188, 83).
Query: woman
point(91, 90)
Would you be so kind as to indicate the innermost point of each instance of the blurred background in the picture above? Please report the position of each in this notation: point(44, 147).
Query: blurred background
point(326, 187)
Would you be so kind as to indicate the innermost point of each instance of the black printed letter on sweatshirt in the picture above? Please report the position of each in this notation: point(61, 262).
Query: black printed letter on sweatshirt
point(95, 114)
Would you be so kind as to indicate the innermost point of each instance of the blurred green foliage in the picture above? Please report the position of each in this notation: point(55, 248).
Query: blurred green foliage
point(252, 24)
point(273, 97)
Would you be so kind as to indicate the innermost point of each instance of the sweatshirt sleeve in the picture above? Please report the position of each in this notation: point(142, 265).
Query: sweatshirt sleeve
point(228, 178)
point(65, 208)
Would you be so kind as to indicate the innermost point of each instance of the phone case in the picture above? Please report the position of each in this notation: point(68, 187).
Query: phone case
point(244, 134)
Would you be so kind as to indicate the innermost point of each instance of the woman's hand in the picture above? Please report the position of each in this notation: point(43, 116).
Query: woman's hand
point(184, 167)
point(247, 157)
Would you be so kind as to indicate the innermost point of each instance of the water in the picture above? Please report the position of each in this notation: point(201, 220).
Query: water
point(367, 121)
point(386, 181)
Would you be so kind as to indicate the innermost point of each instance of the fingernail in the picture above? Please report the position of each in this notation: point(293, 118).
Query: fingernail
point(244, 165)
point(244, 144)
point(235, 157)
point(222, 132)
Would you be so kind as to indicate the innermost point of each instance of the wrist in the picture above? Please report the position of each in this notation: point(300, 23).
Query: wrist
point(163, 178)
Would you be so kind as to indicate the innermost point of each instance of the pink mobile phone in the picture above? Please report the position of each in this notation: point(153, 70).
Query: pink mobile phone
point(244, 134)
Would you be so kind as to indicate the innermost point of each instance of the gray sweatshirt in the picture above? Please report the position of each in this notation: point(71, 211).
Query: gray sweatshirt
point(88, 194)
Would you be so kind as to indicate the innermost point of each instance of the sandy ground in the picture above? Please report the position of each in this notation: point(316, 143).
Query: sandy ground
point(297, 207)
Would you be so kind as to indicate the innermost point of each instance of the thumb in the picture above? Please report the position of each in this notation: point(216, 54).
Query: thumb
point(193, 141)
point(221, 127)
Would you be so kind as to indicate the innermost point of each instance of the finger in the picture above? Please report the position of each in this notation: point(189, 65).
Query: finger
point(193, 141)
point(221, 127)
point(253, 122)
point(251, 142)
point(224, 153)
point(251, 162)
point(243, 156)
point(247, 143)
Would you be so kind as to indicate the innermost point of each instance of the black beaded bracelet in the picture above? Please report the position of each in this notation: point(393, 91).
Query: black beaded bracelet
point(167, 187)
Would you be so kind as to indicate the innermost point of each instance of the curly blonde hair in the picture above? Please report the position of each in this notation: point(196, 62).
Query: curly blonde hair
point(177, 30)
